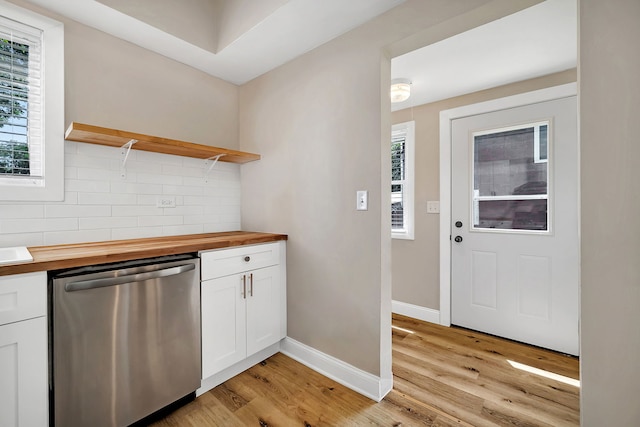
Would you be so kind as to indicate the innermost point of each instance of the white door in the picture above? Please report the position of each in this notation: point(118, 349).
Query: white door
point(514, 224)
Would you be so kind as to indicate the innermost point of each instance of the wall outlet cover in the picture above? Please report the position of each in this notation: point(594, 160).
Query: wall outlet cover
point(433, 207)
point(166, 202)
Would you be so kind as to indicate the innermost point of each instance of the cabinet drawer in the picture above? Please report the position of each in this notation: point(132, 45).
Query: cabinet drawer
point(23, 296)
point(223, 262)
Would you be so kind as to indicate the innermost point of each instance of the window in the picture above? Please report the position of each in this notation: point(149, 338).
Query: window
point(31, 105)
point(402, 164)
point(511, 178)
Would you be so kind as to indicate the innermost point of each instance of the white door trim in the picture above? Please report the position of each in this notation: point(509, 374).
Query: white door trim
point(446, 116)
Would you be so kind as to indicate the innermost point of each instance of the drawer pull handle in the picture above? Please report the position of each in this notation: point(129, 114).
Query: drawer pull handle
point(247, 258)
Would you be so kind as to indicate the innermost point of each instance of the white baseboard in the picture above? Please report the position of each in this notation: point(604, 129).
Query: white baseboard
point(416, 311)
point(214, 380)
point(367, 384)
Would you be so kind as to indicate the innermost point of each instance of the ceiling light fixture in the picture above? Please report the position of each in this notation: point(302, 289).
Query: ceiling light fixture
point(400, 90)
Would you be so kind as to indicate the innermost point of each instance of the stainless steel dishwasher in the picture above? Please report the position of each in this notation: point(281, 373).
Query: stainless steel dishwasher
point(125, 340)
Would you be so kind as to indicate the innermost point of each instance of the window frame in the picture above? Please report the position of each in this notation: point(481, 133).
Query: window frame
point(51, 187)
point(408, 193)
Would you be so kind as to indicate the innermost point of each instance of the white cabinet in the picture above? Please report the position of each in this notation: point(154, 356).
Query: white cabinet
point(243, 303)
point(23, 350)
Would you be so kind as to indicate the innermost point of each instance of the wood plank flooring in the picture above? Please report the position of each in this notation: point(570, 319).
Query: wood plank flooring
point(442, 377)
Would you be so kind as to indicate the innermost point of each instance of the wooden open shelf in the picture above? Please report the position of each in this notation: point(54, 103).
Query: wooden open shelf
point(117, 138)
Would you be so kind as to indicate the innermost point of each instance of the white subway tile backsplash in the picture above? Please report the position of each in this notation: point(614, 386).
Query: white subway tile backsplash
point(77, 211)
point(184, 210)
point(228, 218)
point(174, 230)
point(152, 178)
point(135, 188)
point(158, 158)
point(106, 199)
point(139, 166)
point(83, 161)
point(194, 171)
point(70, 198)
point(70, 172)
point(64, 237)
point(153, 221)
point(87, 186)
point(106, 222)
point(102, 151)
point(21, 239)
point(135, 210)
point(201, 219)
point(21, 211)
point(101, 205)
point(135, 233)
point(182, 190)
point(148, 199)
point(37, 225)
point(215, 228)
point(104, 175)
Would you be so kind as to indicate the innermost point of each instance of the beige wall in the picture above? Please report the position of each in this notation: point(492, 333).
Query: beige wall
point(110, 82)
point(317, 122)
point(415, 263)
point(609, 94)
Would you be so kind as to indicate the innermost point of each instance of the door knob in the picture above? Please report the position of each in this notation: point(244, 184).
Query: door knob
point(458, 239)
point(458, 224)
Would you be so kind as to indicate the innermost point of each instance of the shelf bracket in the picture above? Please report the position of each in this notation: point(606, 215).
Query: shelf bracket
point(126, 149)
point(206, 162)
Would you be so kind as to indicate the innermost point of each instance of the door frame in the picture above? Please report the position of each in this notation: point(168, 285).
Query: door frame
point(446, 117)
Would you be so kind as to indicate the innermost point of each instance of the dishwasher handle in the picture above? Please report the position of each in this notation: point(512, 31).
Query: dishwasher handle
point(138, 277)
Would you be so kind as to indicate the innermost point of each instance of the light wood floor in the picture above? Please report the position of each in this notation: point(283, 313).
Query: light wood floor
point(442, 377)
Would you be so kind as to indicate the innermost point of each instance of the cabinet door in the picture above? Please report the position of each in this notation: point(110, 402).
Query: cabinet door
point(223, 323)
point(263, 308)
point(23, 373)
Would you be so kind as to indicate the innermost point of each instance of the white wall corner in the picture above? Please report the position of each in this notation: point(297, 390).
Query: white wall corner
point(349, 376)
point(416, 311)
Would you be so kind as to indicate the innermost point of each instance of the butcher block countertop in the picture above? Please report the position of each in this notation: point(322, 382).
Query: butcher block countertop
point(82, 254)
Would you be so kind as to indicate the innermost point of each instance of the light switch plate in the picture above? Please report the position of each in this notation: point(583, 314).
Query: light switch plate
point(433, 207)
point(362, 197)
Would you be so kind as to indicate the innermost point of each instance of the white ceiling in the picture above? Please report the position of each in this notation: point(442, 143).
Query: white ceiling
point(533, 42)
point(280, 36)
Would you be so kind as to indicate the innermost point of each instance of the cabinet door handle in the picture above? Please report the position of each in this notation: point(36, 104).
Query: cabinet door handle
point(251, 288)
point(244, 286)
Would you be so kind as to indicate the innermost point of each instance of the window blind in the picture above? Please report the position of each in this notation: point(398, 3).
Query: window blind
point(398, 178)
point(21, 135)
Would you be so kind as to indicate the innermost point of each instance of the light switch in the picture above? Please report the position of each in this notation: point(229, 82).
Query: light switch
point(361, 203)
point(433, 207)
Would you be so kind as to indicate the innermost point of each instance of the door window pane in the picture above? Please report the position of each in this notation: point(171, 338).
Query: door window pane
point(512, 214)
point(510, 178)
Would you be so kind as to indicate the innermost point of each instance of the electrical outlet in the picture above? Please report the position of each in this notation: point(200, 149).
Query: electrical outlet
point(433, 207)
point(166, 202)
